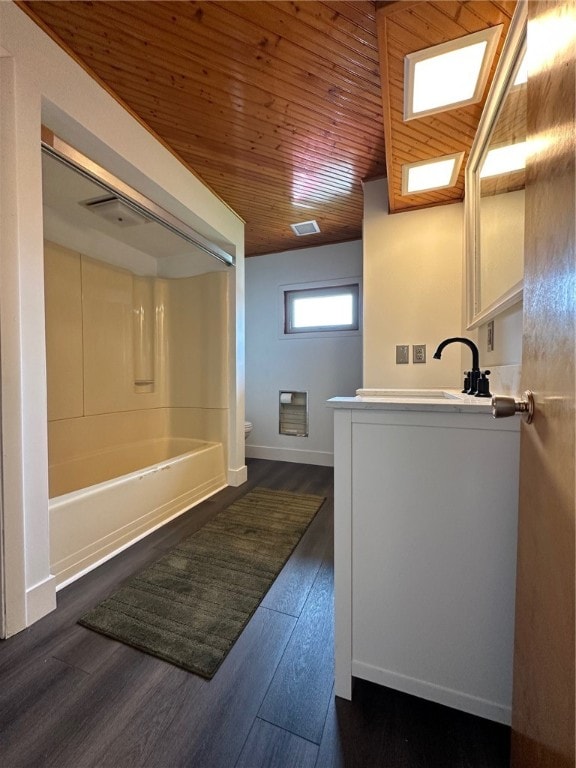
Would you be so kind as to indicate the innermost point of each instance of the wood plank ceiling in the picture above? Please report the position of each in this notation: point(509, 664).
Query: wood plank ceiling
point(405, 27)
point(277, 106)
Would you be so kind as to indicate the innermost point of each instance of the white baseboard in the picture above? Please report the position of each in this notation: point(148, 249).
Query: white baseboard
point(40, 600)
point(237, 477)
point(296, 455)
point(465, 702)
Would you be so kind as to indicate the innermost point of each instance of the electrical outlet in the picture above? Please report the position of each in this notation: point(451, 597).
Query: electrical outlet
point(419, 353)
point(490, 336)
point(402, 354)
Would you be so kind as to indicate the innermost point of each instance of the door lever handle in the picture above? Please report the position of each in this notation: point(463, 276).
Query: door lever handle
point(502, 407)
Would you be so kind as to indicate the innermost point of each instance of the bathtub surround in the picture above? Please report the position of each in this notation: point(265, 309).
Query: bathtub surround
point(137, 380)
point(42, 85)
point(190, 607)
point(97, 350)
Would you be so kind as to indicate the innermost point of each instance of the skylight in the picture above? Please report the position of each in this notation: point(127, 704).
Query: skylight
point(431, 174)
point(506, 159)
point(448, 75)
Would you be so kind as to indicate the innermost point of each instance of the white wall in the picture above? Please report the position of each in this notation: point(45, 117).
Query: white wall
point(507, 339)
point(40, 84)
point(413, 291)
point(324, 367)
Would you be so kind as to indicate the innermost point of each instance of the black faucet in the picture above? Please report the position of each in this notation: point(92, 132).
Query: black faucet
point(473, 376)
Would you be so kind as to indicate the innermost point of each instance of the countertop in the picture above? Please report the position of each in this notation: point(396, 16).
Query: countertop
point(434, 400)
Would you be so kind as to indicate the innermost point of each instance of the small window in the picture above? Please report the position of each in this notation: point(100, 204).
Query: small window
point(312, 310)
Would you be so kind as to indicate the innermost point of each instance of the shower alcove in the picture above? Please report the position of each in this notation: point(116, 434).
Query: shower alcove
point(137, 349)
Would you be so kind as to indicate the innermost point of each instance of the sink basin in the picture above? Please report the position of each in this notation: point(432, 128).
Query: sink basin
point(420, 394)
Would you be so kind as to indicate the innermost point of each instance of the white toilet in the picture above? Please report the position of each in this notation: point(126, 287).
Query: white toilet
point(247, 429)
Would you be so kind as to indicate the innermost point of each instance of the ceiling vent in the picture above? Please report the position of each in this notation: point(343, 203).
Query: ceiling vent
point(114, 210)
point(305, 228)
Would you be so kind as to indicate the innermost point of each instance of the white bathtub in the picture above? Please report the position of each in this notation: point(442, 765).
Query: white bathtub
point(122, 503)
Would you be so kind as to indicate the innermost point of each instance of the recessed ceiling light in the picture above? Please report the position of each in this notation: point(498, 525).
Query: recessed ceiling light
point(305, 228)
point(431, 174)
point(448, 75)
point(507, 159)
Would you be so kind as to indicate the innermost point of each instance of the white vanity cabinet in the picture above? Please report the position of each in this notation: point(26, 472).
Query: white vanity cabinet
point(425, 550)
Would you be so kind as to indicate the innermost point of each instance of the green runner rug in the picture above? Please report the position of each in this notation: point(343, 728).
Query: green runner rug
point(192, 604)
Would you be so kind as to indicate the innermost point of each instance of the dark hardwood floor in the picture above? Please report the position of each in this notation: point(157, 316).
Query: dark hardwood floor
point(71, 698)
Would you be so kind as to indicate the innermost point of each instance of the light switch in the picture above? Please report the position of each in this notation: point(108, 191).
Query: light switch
point(402, 354)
